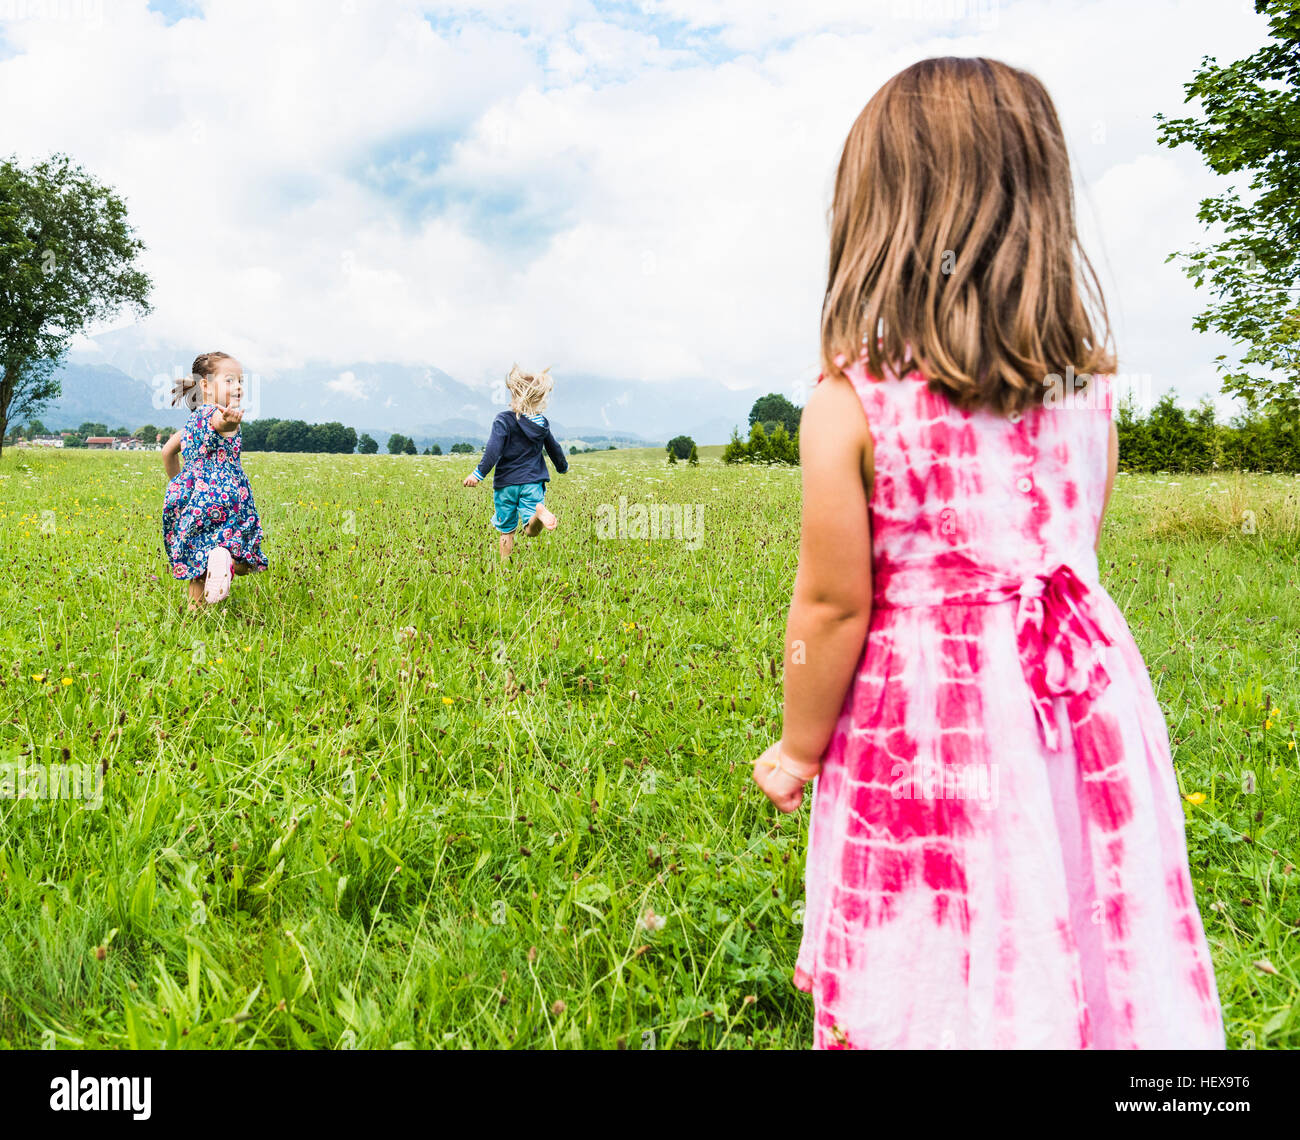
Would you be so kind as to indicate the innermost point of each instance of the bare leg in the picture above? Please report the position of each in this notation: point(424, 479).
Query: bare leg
point(196, 593)
point(507, 545)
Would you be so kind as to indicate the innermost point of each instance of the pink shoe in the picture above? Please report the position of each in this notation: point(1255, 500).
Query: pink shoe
point(219, 570)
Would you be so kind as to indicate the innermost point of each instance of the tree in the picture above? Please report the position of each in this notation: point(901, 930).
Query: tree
point(463, 449)
point(779, 447)
point(396, 443)
point(573, 449)
point(366, 445)
point(408, 448)
point(147, 434)
point(254, 433)
point(773, 409)
point(34, 428)
point(435, 450)
point(680, 446)
point(289, 435)
point(67, 259)
point(734, 452)
point(89, 429)
point(1251, 124)
point(694, 458)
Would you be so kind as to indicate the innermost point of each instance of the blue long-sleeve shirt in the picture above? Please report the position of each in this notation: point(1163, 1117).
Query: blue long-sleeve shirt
point(517, 448)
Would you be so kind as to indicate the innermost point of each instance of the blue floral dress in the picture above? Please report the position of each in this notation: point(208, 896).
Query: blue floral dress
point(210, 503)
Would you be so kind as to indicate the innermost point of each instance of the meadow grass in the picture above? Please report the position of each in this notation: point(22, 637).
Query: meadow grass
point(395, 794)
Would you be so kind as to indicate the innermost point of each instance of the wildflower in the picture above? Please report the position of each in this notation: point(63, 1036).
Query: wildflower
point(67, 680)
point(650, 922)
point(447, 701)
point(38, 676)
point(1195, 798)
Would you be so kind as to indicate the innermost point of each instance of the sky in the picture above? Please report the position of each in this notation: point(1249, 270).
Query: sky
point(634, 190)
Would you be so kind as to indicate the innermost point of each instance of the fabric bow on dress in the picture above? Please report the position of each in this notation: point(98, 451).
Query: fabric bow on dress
point(1061, 644)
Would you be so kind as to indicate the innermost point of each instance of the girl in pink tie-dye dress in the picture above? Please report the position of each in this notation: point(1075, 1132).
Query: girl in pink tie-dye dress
point(996, 850)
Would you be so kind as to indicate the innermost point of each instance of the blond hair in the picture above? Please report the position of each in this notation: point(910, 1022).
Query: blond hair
point(529, 391)
point(953, 241)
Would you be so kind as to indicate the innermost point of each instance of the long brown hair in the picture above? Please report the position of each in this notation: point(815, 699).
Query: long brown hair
point(188, 390)
point(953, 237)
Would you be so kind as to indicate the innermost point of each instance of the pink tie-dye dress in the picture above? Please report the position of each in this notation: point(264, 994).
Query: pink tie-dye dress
point(996, 850)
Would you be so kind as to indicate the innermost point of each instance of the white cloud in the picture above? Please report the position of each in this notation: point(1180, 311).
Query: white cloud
point(564, 183)
point(348, 384)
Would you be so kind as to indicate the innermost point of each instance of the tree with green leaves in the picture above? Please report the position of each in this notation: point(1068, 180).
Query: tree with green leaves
point(774, 409)
point(67, 260)
point(1250, 125)
point(694, 458)
point(679, 447)
point(463, 449)
point(396, 444)
point(147, 434)
point(408, 448)
point(436, 449)
point(366, 444)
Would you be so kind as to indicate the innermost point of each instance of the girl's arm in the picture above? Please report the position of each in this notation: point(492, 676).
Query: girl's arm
point(491, 453)
point(555, 451)
point(171, 456)
point(831, 606)
point(1112, 467)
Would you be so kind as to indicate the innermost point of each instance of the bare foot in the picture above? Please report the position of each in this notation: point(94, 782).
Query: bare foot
point(549, 521)
point(507, 545)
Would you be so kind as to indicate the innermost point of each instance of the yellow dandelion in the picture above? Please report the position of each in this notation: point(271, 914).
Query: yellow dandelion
point(1195, 798)
point(447, 701)
point(67, 680)
point(38, 676)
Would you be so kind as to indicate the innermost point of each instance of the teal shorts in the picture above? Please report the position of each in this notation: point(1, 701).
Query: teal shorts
point(515, 505)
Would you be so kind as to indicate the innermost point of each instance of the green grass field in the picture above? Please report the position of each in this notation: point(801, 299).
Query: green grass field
point(393, 794)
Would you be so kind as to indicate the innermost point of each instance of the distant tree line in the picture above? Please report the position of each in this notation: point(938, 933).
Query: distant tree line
point(298, 435)
point(1171, 439)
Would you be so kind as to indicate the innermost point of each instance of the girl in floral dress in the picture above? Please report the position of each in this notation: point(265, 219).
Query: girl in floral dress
point(210, 525)
point(996, 848)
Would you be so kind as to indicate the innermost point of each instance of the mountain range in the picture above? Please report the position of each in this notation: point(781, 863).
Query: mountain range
point(123, 379)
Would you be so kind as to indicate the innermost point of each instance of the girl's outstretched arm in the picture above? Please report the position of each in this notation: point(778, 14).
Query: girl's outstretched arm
point(831, 606)
point(491, 453)
point(171, 456)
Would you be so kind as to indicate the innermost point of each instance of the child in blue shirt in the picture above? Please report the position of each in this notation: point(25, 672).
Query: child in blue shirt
point(515, 448)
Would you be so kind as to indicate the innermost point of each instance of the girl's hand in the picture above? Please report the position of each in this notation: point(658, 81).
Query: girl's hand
point(227, 417)
point(783, 789)
point(470, 481)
